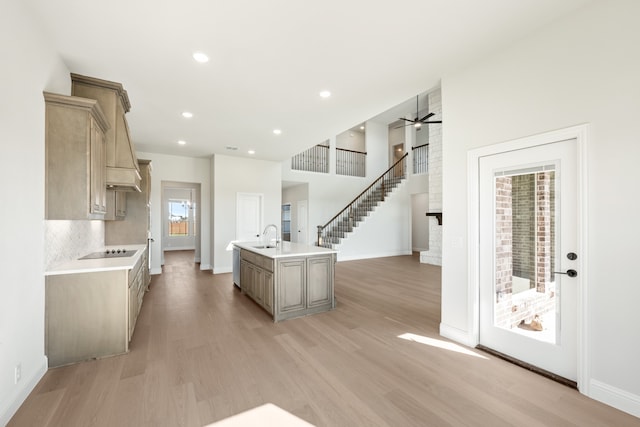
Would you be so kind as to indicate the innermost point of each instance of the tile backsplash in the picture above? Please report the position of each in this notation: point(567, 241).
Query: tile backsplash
point(69, 240)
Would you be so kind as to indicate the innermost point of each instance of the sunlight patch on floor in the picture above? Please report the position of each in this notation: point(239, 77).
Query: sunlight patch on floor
point(445, 345)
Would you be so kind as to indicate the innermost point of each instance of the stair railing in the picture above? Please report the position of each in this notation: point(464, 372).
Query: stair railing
point(344, 220)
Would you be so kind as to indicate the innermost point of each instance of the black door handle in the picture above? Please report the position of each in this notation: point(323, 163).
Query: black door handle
point(571, 272)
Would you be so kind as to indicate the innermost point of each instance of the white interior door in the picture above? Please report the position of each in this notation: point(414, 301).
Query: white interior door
point(302, 222)
point(528, 215)
point(248, 216)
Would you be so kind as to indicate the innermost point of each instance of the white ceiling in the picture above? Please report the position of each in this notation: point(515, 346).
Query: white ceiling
point(270, 59)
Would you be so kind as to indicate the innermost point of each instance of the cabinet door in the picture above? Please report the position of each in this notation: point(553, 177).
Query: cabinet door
point(291, 281)
point(121, 203)
point(319, 281)
point(97, 172)
point(258, 294)
point(267, 300)
point(133, 307)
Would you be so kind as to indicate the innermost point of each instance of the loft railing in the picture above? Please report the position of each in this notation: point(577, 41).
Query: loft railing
point(350, 162)
point(315, 159)
point(420, 158)
point(355, 211)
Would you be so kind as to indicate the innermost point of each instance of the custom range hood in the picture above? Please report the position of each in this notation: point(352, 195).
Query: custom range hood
point(123, 173)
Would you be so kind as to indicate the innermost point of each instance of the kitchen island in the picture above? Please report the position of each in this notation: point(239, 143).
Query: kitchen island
point(290, 280)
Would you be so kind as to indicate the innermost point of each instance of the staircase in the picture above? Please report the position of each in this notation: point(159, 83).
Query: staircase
point(333, 232)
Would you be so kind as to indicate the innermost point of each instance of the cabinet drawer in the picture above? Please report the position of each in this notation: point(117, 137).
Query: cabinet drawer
point(249, 256)
point(266, 263)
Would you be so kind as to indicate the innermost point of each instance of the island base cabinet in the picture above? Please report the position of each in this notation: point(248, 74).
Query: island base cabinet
point(288, 287)
point(304, 286)
point(86, 316)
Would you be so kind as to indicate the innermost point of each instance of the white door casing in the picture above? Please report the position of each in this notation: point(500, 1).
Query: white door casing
point(302, 222)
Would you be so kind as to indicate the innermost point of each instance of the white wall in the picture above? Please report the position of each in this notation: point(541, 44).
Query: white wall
point(385, 232)
point(583, 69)
point(232, 175)
point(352, 140)
point(179, 169)
point(28, 68)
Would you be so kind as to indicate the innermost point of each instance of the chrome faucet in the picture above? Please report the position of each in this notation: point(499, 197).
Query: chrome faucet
point(264, 234)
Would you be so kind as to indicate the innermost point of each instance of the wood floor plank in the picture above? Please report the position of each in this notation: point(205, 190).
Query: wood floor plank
point(203, 351)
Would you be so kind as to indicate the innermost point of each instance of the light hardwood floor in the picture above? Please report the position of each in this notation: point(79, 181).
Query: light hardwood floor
point(202, 351)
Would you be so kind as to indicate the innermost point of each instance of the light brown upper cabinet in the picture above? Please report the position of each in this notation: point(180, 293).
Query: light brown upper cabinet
point(123, 173)
point(75, 171)
point(116, 205)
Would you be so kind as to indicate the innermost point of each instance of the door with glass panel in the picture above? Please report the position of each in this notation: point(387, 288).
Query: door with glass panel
point(528, 259)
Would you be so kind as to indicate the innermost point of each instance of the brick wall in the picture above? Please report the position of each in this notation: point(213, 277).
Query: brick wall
point(525, 237)
point(524, 226)
point(503, 242)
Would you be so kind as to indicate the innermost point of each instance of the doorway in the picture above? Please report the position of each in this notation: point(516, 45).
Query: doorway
point(181, 218)
point(526, 213)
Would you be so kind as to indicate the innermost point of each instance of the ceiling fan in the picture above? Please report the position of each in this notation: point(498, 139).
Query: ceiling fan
point(418, 122)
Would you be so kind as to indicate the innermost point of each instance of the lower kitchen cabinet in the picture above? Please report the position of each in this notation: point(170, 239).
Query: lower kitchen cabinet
point(257, 282)
point(92, 315)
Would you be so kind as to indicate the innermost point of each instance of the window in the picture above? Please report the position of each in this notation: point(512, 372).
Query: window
point(179, 217)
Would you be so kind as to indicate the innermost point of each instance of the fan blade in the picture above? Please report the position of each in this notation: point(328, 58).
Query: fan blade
point(404, 126)
point(427, 116)
point(435, 121)
point(407, 120)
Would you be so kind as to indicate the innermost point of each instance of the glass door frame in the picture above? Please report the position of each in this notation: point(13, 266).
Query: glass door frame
point(580, 134)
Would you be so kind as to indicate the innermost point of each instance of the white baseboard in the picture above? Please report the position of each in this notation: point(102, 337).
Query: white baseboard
point(205, 266)
point(155, 271)
point(369, 256)
point(457, 335)
point(612, 396)
point(220, 270)
point(10, 406)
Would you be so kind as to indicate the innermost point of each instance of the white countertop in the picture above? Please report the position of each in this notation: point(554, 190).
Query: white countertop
point(284, 249)
point(102, 264)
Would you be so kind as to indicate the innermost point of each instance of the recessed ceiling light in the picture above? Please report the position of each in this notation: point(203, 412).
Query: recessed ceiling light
point(277, 131)
point(325, 94)
point(200, 57)
point(362, 127)
point(187, 114)
point(182, 142)
point(251, 152)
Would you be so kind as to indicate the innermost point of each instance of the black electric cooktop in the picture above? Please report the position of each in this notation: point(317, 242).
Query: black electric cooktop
point(111, 253)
